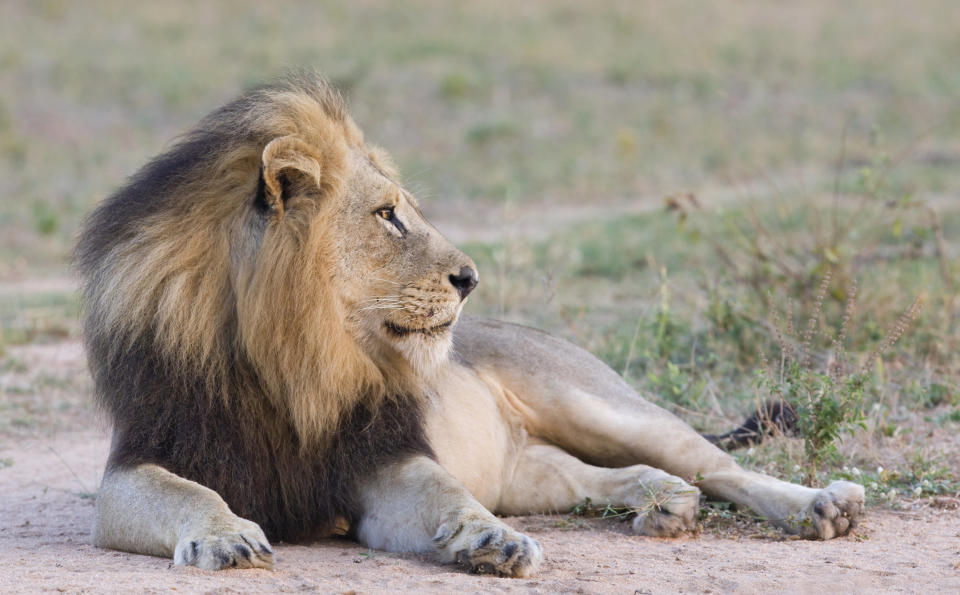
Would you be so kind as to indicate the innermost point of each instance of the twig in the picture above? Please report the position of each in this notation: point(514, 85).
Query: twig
point(83, 486)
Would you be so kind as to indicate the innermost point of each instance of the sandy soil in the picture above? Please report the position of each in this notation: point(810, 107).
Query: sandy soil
point(50, 471)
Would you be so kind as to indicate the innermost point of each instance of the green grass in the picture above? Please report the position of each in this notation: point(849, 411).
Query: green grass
point(478, 101)
point(29, 317)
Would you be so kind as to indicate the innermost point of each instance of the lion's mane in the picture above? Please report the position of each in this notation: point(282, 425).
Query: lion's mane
point(213, 334)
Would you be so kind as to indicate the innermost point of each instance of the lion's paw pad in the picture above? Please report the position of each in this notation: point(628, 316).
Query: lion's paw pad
point(836, 510)
point(492, 548)
point(669, 511)
point(238, 545)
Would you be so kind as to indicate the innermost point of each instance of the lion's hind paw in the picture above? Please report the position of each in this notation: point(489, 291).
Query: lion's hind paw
point(837, 510)
point(669, 510)
point(241, 544)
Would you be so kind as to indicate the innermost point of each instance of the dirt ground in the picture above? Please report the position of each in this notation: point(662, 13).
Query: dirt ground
point(47, 512)
point(47, 481)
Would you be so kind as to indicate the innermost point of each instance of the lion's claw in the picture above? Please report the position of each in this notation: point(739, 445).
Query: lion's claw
point(232, 543)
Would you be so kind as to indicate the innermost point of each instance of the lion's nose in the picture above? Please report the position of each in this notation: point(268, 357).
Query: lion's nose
point(464, 281)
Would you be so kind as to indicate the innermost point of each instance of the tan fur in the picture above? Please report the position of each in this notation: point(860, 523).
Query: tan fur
point(334, 300)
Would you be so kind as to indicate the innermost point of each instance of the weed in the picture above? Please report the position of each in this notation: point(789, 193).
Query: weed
point(827, 402)
point(925, 475)
point(654, 499)
point(588, 508)
point(724, 518)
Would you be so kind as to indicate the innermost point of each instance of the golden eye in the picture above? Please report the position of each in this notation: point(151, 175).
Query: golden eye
point(388, 214)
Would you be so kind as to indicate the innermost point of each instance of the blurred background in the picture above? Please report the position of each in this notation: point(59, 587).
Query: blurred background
point(667, 184)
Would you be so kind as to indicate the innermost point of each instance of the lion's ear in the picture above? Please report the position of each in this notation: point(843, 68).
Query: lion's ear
point(285, 159)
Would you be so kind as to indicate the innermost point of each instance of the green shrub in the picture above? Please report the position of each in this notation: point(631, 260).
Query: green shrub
point(828, 400)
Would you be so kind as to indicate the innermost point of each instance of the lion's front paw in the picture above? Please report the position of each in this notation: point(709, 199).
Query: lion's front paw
point(487, 546)
point(669, 508)
point(836, 510)
point(225, 543)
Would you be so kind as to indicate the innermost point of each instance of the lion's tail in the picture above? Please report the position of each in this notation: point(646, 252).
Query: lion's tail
point(771, 417)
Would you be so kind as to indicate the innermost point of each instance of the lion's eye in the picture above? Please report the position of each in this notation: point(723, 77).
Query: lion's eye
point(389, 214)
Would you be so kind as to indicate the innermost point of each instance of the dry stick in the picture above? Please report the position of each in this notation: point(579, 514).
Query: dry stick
point(895, 332)
point(941, 249)
point(728, 260)
point(72, 472)
point(791, 333)
point(779, 258)
point(775, 322)
point(748, 240)
point(633, 341)
point(776, 235)
point(839, 354)
point(814, 318)
point(894, 163)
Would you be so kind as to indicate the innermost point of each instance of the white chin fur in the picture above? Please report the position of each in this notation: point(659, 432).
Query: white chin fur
point(425, 354)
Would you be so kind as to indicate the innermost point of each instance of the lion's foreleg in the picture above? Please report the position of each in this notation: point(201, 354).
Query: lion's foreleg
point(547, 479)
point(148, 510)
point(416, 506)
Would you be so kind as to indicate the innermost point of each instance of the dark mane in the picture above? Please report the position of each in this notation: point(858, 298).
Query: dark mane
point(226, 431)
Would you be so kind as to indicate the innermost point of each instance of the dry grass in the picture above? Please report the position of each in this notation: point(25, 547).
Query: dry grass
point(486, 101)
point(785, 137)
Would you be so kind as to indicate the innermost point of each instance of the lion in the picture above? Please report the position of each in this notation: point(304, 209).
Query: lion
point(275, 331)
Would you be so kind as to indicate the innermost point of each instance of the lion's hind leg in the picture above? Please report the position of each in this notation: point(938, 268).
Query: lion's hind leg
point(547, 479)
point(570, 399)
point(148, 510)
point(614, 434)
point(813, 513)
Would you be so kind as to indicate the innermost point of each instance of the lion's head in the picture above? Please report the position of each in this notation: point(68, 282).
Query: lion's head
point(273, 234)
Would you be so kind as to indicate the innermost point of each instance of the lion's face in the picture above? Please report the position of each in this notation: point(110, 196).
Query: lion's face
point(337, 244)
point(402, 283)
point(273, 246)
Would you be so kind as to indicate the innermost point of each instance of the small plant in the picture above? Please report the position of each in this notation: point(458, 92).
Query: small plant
point(587, 508)
point(655, 499)
point(827, 401)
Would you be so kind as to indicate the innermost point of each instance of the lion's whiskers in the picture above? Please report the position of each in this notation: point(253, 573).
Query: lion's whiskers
point(397, 283)
point(389, 302)
point(381, 307)
point(381, 298)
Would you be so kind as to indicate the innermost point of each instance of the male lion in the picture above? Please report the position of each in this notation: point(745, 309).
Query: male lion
point(273, 327)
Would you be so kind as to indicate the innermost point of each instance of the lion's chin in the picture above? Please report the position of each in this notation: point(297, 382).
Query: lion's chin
point(426, 350)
